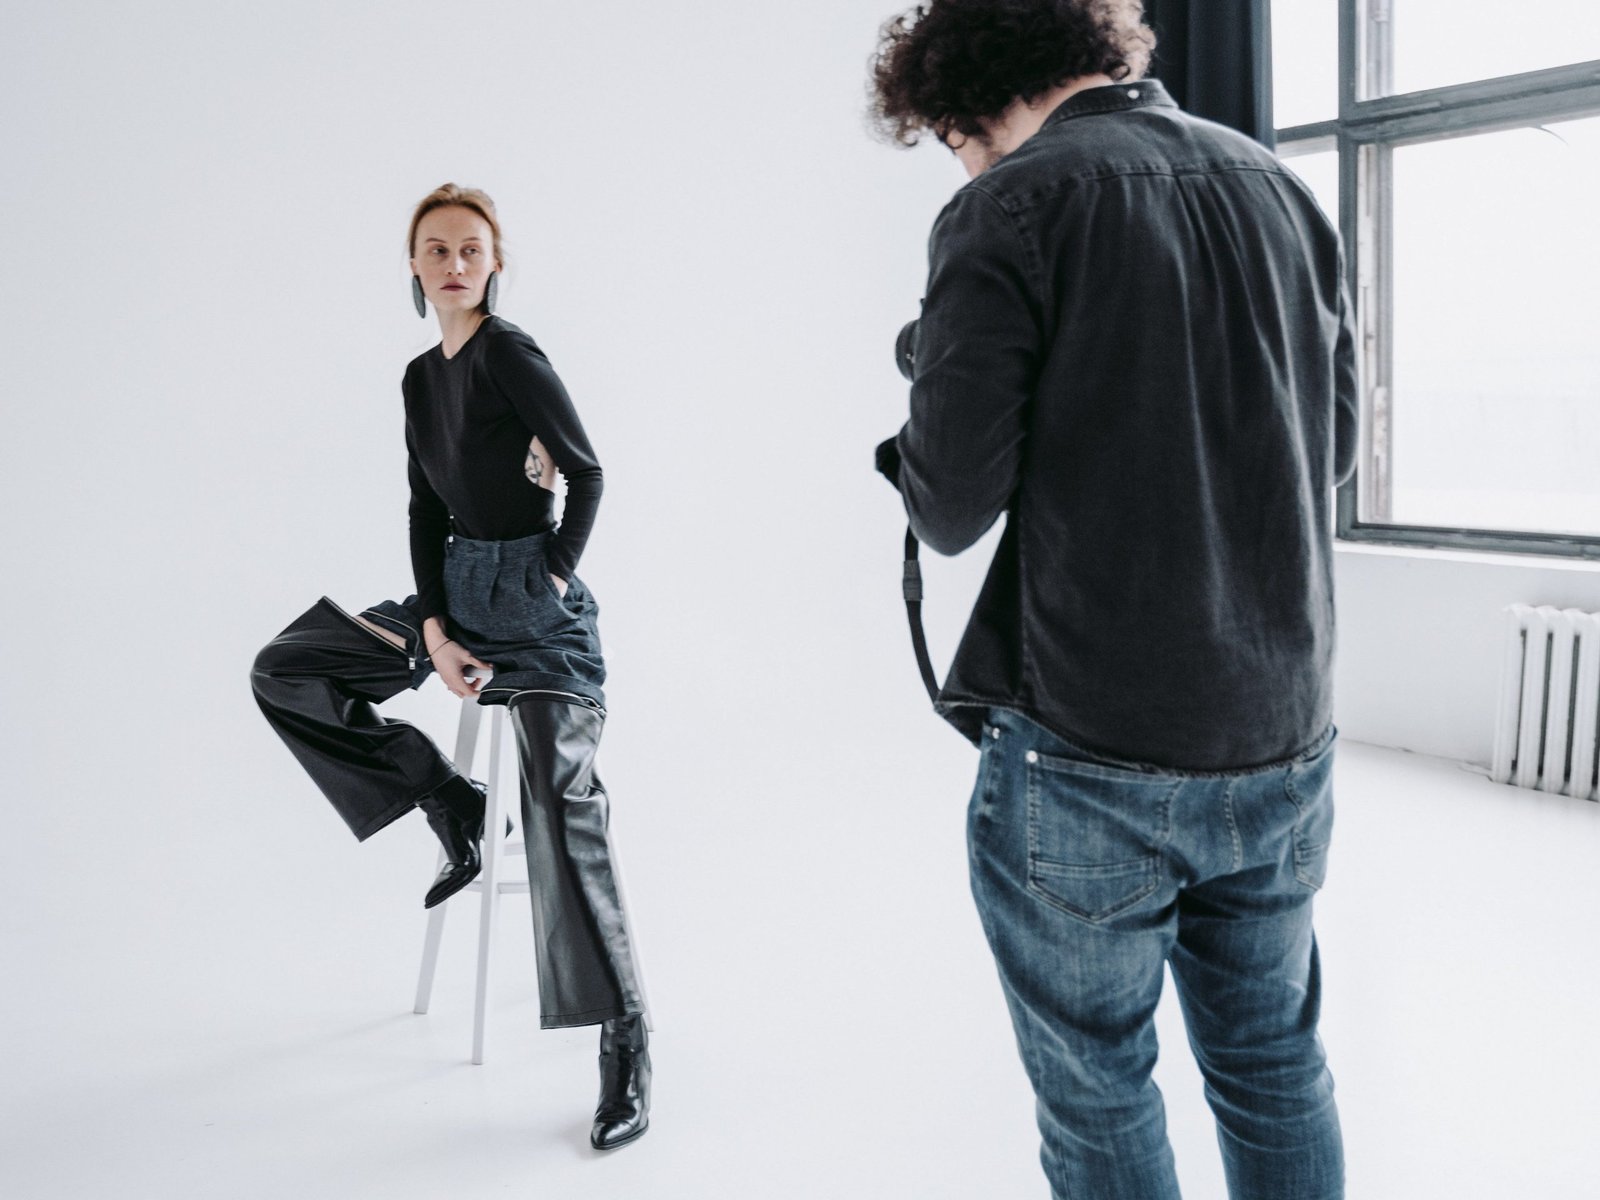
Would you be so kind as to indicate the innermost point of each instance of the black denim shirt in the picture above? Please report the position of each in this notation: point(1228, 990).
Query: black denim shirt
point(1136, 343)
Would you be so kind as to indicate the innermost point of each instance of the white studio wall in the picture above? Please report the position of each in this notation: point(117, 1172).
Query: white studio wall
point(212, 319)
point(205, 332)
point(1421, 641)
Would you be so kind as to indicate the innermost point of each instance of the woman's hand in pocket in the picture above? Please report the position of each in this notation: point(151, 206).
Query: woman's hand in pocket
point(451, 661)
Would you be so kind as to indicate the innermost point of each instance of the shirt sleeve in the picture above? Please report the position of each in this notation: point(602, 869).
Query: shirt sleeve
point(978, 345)
point(530, 385)
point(1346, 388)
point(430, 525)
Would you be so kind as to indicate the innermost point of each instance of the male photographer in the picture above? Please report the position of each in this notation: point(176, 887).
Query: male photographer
point(1136, 344)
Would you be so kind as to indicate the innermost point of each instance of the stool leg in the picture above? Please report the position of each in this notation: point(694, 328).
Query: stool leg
point(493, 848)
point(466, 750)
point(430, 956)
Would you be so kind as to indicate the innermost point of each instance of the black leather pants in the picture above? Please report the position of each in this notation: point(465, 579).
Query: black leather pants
point(317, 683)
point(583, 945)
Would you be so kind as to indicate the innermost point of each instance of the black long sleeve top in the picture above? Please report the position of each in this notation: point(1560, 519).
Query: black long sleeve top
point(1137, 343)
point(470, 422)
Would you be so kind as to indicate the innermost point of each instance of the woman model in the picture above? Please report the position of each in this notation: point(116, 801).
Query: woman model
point(487, 426)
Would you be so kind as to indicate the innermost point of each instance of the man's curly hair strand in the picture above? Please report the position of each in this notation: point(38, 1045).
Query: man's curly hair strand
point(946, 65)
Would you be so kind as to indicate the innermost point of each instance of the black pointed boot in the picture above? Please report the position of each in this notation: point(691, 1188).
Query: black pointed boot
point(624, 1109)
point(455, 813)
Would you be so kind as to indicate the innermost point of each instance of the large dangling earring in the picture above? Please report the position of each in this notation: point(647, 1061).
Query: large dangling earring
point(491, 291)
point(416, 296)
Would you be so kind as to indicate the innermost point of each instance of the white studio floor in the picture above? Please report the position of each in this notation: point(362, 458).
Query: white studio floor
point(241, 1032)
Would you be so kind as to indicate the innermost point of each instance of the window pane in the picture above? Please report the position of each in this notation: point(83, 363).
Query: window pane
point(1496, 407)
point(1439, 42)
point(1305, 61)
point(1320, 173)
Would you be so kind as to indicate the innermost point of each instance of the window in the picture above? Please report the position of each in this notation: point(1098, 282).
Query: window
point(1456, 143)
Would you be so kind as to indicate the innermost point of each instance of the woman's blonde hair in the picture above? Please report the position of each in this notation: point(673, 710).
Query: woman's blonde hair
point(447, 194)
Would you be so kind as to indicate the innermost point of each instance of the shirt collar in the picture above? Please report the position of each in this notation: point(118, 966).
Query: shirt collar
point(1112, 97)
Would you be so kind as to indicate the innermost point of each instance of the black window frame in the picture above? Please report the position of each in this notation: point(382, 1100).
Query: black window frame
point(1365, 134)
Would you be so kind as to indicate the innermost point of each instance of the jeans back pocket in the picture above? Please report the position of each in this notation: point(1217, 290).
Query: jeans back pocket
point(1095, 834)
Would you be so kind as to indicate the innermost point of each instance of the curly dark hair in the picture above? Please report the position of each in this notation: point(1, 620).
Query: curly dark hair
point(944, 65)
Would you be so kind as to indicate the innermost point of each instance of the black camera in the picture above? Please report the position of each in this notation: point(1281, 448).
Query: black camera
point(905, 351)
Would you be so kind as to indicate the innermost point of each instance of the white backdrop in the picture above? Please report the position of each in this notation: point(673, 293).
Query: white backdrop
point(206, 317)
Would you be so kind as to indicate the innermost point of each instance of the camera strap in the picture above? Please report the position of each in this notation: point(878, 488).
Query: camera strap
point(911, 589)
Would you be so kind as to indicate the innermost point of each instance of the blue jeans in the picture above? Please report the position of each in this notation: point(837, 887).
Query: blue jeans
point(1091, 873)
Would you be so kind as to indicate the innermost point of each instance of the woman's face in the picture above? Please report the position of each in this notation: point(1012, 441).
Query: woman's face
point(454, 256)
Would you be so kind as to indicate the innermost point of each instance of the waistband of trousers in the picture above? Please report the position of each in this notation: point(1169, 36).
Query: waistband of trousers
point(1013, 719)
point(510, 550)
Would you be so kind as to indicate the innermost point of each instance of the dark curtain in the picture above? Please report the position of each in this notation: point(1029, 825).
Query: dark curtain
point(1215, 57)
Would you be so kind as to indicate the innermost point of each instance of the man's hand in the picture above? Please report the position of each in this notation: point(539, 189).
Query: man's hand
point(887, 457)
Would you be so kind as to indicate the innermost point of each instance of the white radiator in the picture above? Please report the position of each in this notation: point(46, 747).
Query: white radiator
point(1549, 720)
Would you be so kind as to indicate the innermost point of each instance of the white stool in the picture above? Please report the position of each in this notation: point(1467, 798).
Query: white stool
point(489, 882)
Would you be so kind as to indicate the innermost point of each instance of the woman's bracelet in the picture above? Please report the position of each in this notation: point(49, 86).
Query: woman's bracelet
point(436, 649)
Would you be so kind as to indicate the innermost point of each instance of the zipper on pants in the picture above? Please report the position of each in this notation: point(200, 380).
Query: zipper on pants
point(586, 701)
point(415, 632)
point(411, 657)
